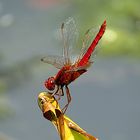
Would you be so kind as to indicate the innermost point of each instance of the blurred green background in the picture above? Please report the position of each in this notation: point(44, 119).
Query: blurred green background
point(28, 31)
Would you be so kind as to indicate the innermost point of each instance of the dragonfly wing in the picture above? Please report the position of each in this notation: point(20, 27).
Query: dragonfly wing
point(77, 68)
point(69, 36)
point(57, 61)
point(89, 44)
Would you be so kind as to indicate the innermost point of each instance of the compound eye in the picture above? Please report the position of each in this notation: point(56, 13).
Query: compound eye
point(50, 83)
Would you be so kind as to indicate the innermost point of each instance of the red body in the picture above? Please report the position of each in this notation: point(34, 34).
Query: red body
point(66, 74)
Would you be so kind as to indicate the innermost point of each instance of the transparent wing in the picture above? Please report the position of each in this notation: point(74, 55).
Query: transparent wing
point(90, 42)
point(69, 36)
point(87, 40)
point(57, 61)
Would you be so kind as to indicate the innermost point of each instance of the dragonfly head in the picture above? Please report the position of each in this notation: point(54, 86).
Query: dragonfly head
point(50, 83)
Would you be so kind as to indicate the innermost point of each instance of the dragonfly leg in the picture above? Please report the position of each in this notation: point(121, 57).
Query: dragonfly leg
point(60, 93)
point(68, 99)
point(55, 92)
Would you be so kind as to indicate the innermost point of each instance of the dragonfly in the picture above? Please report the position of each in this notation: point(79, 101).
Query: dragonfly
point(70, 69)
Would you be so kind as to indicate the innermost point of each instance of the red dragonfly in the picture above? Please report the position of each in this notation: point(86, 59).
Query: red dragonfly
point(69, 70)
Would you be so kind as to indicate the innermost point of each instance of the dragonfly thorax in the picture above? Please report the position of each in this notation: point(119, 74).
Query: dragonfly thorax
point(50, 83)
